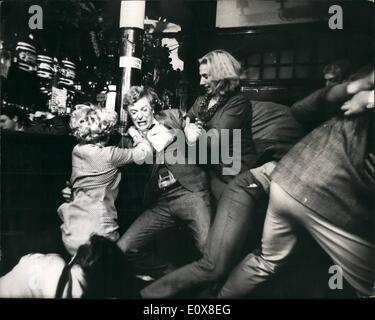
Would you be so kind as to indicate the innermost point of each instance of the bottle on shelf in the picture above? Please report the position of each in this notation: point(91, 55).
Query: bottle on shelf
point(22, 87)
point(63, 86)
point(44, 73)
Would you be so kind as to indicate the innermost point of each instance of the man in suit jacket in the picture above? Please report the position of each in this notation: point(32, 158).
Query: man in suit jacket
point(181, 190)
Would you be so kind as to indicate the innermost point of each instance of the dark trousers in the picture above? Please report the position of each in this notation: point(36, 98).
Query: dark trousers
point(235, 218)
point(178, 204)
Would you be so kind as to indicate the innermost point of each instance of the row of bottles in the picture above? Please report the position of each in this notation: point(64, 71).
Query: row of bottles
point(55, 79)
point(40, 81)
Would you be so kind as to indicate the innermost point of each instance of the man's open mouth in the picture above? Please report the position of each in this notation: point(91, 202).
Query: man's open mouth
point(142, 123)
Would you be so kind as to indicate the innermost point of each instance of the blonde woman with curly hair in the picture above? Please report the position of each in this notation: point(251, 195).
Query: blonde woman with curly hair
point(95, 177)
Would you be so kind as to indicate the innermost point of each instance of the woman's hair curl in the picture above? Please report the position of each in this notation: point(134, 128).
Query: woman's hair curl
point(90, 123)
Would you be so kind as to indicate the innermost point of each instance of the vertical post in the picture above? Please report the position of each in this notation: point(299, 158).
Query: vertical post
point(132, 15)
point(2, 228)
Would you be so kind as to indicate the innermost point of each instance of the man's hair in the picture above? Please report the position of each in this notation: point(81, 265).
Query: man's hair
point(90, 123)
point(340, 68)
point(224, 69)
point(136, 93)
point(12, 112)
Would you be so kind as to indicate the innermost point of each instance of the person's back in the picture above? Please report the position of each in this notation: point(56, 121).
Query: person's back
point(98, 270)
point(95, 173)
point(95, 177)
point(274, 130)
point(36, 276)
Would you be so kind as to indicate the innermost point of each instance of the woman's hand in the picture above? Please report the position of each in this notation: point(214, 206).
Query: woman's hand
point(142, 151)
point(49, 115)
point(67, 192)
point(192, 131)
point(135, 135)
point(41, 114)
point(160, 137)
point(357, 104)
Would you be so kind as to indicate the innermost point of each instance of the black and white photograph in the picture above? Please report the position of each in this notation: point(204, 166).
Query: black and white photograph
point(202, 151)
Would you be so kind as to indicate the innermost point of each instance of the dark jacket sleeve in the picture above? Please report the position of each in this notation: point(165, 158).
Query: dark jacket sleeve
point(319, 106)
point(234, 113)
point(193, 112)
point(56, 125)
point(308, 109)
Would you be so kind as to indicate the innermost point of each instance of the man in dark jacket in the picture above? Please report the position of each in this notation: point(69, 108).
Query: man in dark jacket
point(180, 190)
point(15, 119)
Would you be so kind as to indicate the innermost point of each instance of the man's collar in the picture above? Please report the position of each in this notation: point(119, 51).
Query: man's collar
point(153, 124)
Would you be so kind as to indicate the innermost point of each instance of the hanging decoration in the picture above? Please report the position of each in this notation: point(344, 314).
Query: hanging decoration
point(94, 43)
point(158, 71)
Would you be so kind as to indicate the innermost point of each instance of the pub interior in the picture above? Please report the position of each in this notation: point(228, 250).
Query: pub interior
point(64, 53)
